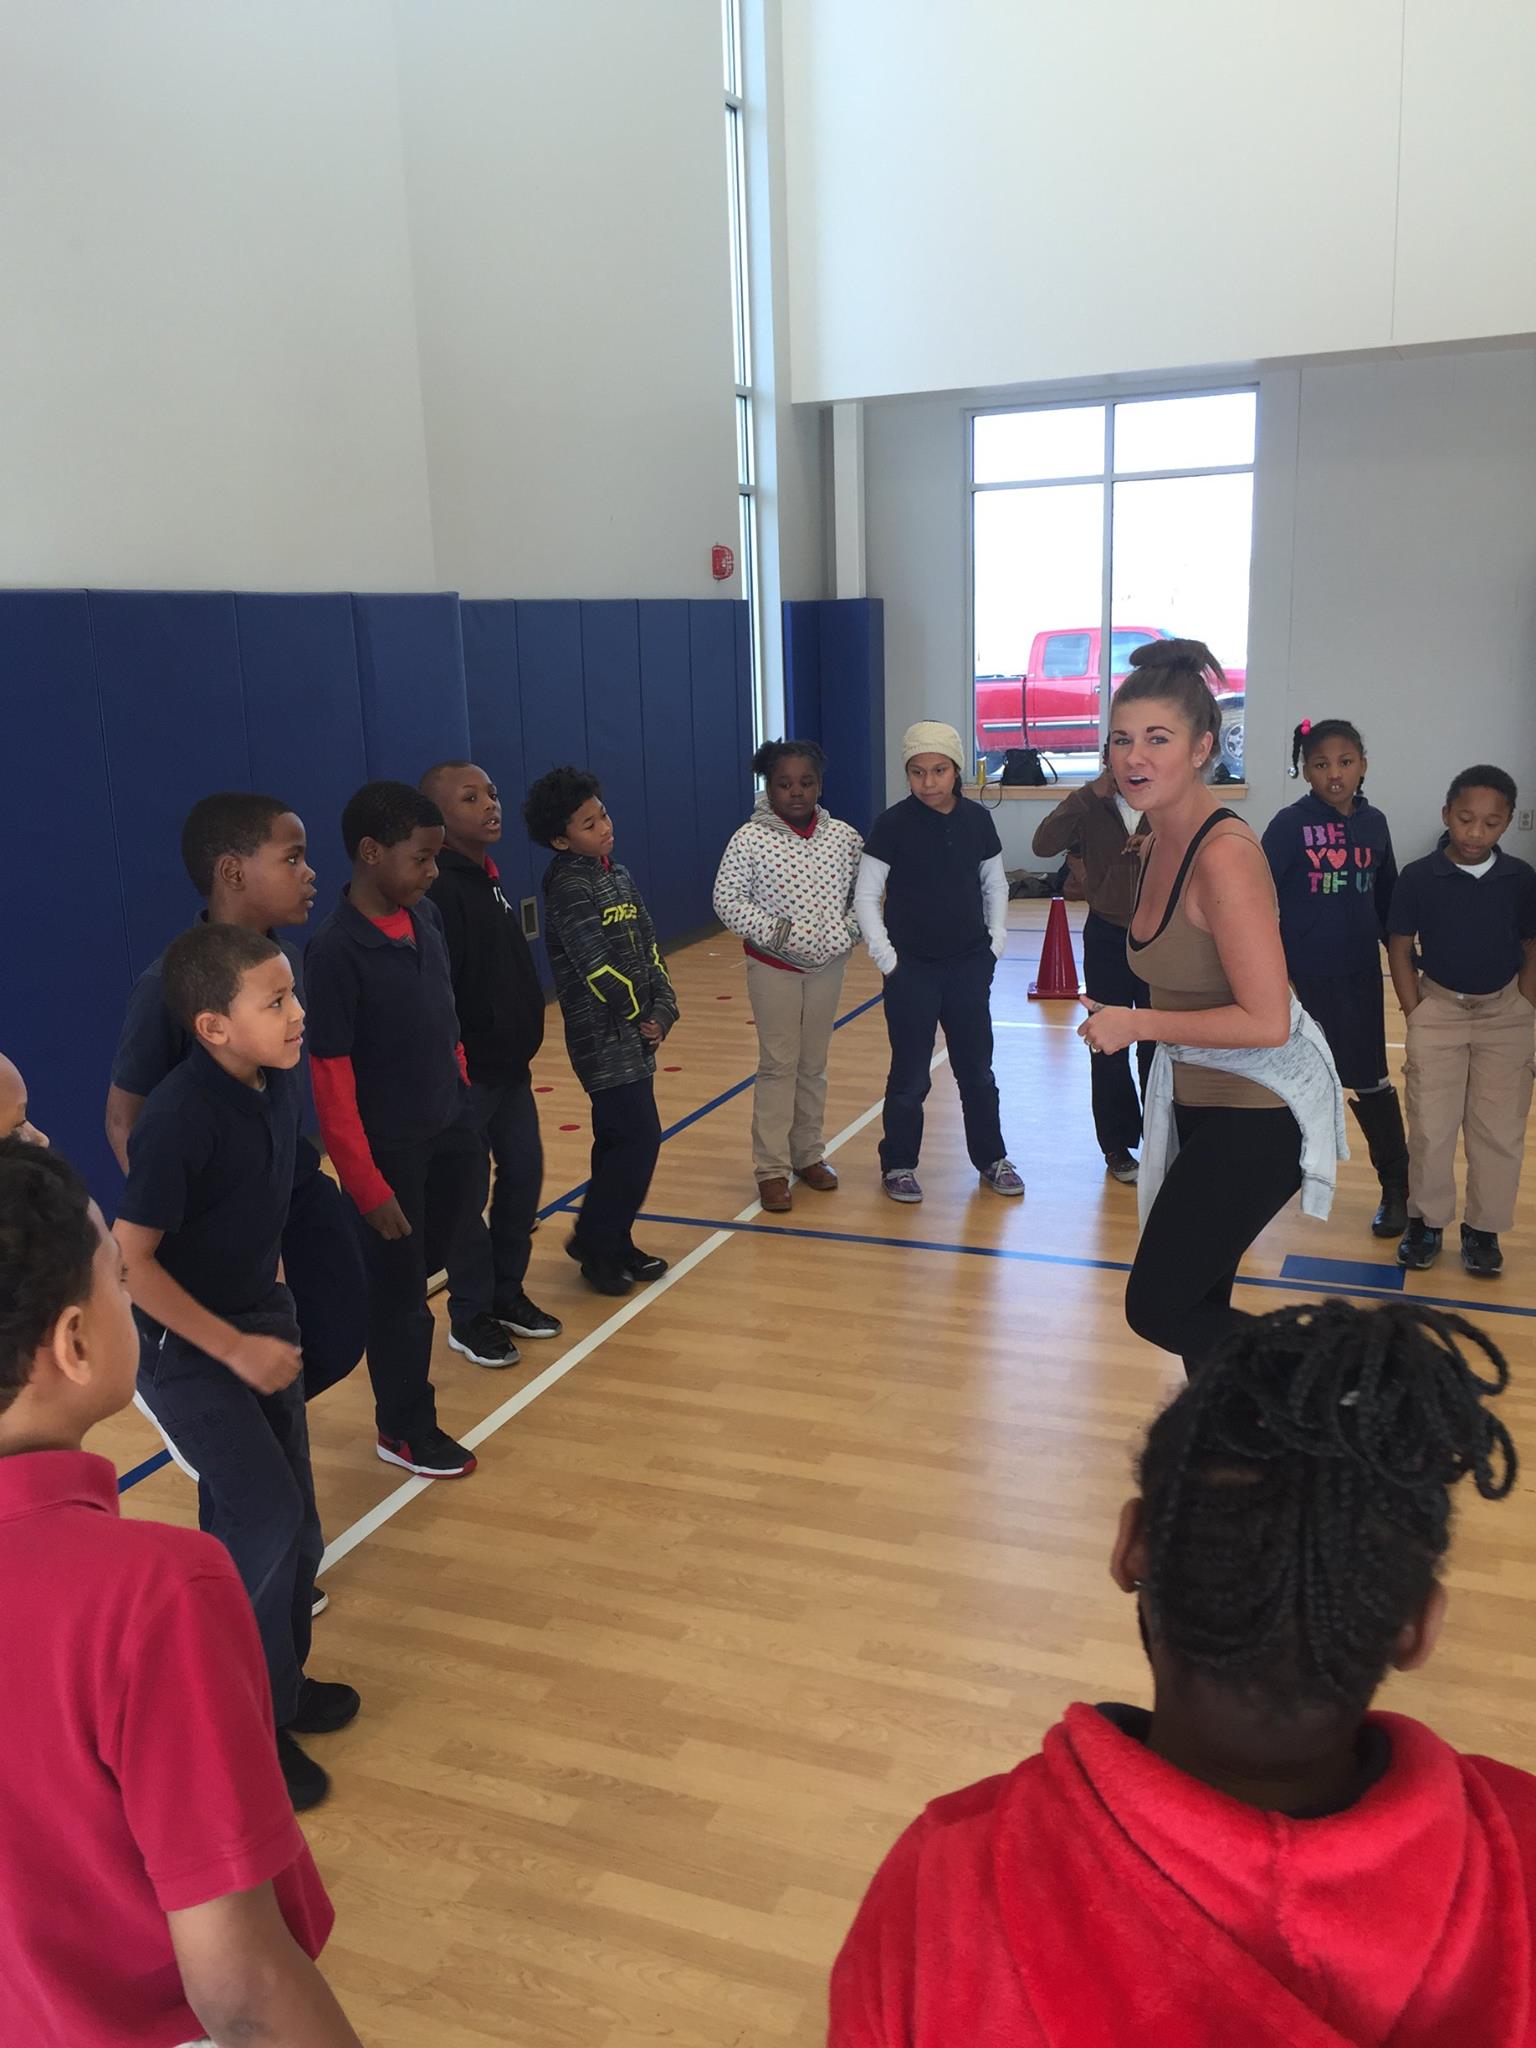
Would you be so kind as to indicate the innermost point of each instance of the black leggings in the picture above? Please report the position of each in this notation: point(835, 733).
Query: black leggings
point(1235, 1170)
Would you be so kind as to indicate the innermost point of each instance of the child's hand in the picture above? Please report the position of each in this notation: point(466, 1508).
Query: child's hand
point(652, 1030)
point(266, 1364)
point(1108, 1029)
point(389, 1219)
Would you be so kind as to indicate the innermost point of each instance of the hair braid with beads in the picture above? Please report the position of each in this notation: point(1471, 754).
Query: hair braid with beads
point(1297, 1495)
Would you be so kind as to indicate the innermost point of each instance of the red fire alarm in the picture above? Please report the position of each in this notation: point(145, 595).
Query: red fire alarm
point(722, 562)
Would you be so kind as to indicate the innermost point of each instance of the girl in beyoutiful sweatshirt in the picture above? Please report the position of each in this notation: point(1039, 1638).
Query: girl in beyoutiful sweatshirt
point(785, 886)
point(1260, 1861)
point(1331, 857)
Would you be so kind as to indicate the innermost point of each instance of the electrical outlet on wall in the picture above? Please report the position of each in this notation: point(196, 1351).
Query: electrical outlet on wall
point(1525, 821)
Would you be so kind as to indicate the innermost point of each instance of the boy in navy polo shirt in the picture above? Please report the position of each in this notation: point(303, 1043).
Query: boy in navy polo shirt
point(390, 1091)
point(1472, 910)
point(246, 857)
point(139, 1749)
point(501, 1022)
point(210, 1167)
point(938, 861)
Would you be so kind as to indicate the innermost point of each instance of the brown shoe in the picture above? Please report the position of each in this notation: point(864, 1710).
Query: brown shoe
point(774, 1195)
point(820, 1176)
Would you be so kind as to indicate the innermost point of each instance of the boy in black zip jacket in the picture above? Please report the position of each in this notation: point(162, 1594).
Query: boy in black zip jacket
point(618, 1004)
point(501, 1026)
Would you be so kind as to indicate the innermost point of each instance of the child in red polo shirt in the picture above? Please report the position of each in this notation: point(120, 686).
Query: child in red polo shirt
point(1258, 1862)
point(154, 1885)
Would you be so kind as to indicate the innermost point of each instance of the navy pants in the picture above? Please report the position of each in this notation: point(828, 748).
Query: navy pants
point(920, 996)
point(487, 1271)
point(255, 1491)
point(439, 1185)
point(626, 1138)
point(1108, 978)
point(323, 1265)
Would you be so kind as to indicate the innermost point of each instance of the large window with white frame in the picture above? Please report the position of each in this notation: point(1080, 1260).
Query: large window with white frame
point(746, 454)
point(1099, 526)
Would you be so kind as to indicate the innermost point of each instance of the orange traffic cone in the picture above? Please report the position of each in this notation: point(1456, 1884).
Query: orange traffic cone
point(1058, 969)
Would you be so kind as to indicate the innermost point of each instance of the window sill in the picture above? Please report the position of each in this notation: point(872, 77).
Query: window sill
point(1053, 792)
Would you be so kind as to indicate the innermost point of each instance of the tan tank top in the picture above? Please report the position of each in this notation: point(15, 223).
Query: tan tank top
point(1183, 970)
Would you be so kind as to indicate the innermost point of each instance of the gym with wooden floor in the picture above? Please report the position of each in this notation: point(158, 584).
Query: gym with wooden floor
point(760, 1561)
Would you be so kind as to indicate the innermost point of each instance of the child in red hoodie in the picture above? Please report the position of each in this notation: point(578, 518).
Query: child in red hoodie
point(1259, 1862)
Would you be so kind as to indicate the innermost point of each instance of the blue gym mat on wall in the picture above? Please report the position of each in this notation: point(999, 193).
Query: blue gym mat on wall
point(124, 707)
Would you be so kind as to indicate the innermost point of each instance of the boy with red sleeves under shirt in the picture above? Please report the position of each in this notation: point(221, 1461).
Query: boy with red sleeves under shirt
point(390, 1092)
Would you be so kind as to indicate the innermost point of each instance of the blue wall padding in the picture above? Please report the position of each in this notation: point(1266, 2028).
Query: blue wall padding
point(666, 704)
point(66, 948)
point(173, 713)
point(834, 686)
point(139, 702)
point(410, 665)
point(496, 723)
point(304, 717)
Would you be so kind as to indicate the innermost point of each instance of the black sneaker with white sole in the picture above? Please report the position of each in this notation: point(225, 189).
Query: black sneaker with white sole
point(307, 1783)
point(484, 1340)
point(1480, 1252)
point(642, 1267)
point(524, 1318)
point(433, 1455)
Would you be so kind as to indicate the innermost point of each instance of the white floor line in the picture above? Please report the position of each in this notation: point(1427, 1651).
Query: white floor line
point(498, 1418)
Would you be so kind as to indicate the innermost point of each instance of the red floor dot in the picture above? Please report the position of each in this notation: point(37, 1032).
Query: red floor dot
point(725, 999)
point(545, 1090)
point(570, 1127)
point(671, 1070)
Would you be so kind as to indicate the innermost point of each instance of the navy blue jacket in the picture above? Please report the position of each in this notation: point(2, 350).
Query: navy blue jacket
point(1334, 877)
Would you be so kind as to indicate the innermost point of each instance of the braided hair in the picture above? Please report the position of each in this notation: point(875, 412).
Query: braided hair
point(1297, 1495)
point(772, 752)
point(1307, 736)
point(1180, 672)
point(48, 1242)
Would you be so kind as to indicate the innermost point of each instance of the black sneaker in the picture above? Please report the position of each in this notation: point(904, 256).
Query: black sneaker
point(1480, 1252)
point(604, 1276)
point(323, 1708)
point(321, 1602)
point(1391, 1218)
point(1121, 1166)
point(643, 1267)
point(1420, 1245)
point(524, 1318)
point(484, 1340)
point(434, 1455)
point(307, 1783)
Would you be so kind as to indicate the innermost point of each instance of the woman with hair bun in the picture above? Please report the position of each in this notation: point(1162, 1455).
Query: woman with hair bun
point(785, 887)
point(1243, 1106)
point(1260, 1861)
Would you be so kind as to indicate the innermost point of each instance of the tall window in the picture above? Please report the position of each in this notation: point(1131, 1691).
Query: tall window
point(1104, 526)
point(746, 457)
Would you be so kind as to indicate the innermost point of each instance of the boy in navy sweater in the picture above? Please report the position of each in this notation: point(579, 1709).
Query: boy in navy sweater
point(246, 856)
point(618, 1004)
point(390, 1089)
point(210, 1171)
point(1331, 857)
point(1471, 1012)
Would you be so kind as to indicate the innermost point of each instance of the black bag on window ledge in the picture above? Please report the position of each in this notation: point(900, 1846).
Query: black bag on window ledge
point(1027, 768)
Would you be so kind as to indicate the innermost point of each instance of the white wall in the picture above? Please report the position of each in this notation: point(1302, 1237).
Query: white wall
point(993, 193)
point(1394, 577)
point(365, 295)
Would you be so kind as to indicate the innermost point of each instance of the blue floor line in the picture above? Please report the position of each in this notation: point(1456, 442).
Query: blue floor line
point(989, 1251)
point(561, 1202)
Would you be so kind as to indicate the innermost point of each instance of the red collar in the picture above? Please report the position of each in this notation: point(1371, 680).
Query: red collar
point(396, 926)
point(33, 1480)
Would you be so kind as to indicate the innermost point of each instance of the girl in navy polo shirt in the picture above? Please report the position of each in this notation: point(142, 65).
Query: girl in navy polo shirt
point(938, 862)
point(1331, 856)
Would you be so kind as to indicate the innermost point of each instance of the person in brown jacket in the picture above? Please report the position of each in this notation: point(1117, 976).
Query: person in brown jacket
point(1094, 825)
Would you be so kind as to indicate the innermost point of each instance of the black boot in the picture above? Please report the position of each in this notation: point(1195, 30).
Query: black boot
point(1380, 1118)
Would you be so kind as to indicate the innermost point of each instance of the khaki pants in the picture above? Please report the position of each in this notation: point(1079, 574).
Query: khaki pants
point(795, 1014)
point(1469, 1069)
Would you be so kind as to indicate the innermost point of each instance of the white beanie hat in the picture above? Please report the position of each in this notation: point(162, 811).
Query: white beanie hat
point(930, 736)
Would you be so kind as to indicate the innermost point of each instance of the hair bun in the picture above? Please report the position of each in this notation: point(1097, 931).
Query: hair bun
point(1172, 654)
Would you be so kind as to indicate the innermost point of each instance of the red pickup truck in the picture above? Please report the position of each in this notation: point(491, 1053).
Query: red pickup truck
point(1055, 705)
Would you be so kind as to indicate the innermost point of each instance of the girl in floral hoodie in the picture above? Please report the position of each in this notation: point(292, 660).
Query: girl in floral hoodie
point(785, 886)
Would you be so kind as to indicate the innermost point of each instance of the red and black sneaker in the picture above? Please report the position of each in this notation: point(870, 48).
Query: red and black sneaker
point(433, 1455)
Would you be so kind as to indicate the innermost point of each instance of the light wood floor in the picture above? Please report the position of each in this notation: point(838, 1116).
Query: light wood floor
point(818, 1533)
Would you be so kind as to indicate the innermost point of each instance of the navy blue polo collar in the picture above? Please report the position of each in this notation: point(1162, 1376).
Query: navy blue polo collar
point(939, 817)
point(362, 930)
point(1503, 867)
point(226, 1087)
